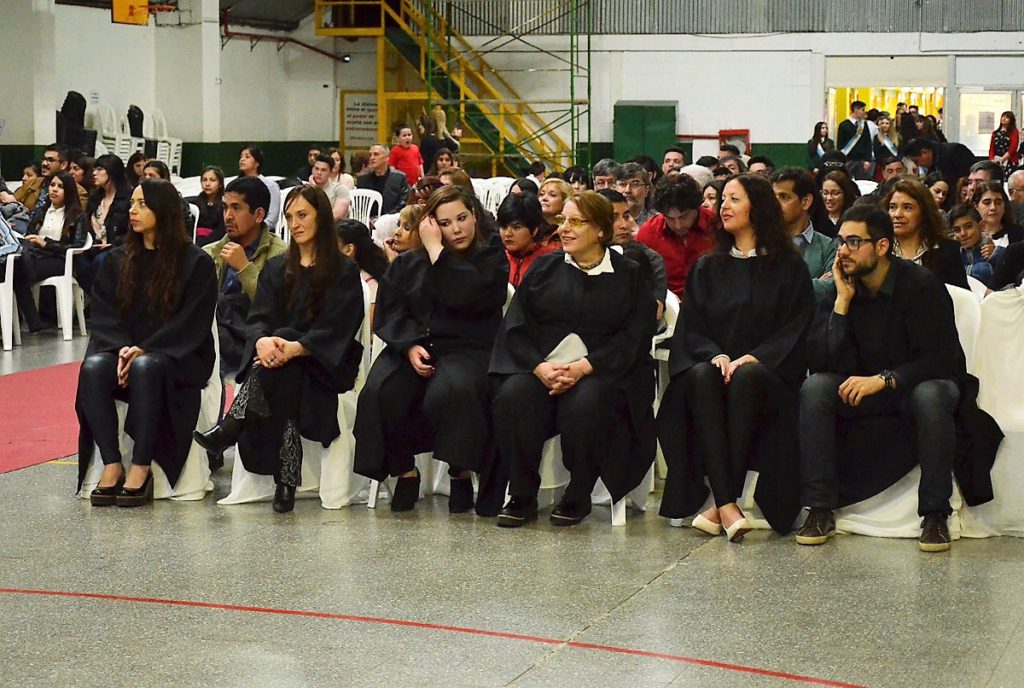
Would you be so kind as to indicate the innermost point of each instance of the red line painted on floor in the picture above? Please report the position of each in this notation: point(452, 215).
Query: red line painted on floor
point(437, 627)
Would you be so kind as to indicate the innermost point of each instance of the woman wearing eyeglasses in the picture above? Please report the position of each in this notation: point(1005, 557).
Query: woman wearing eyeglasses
point(438, 308)
point(736, 366)
point(921, 233)
point(838, 192)
point(573, 358)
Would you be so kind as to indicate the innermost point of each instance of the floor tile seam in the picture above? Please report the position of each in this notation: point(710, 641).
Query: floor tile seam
point(590, 623)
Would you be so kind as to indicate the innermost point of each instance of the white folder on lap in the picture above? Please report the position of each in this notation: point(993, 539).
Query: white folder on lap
point(569, 350)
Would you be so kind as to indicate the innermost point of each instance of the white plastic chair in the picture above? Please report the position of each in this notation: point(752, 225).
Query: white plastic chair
point(194, 209)
point(70, 297)
point(194, 481)
point(326, 472)
point(8, 310)
point(967, 313)
point(866, 186)
point(363, 202)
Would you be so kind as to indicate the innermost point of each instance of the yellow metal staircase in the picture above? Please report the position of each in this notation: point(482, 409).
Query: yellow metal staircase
point(455, 74)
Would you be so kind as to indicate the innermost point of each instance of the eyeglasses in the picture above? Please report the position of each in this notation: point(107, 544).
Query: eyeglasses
point(634, 184)
point(854, 242)
point(572, 222)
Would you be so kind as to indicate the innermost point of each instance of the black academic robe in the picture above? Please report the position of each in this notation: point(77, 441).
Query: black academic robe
point(305, 389)
point(735, 306)
point(451, 307)
point(920, 343)
point(615, 316)
point(186, 336)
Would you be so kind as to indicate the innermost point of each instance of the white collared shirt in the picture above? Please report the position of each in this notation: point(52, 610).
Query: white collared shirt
point(53, 224)
point(736, 253)
point(604, 267)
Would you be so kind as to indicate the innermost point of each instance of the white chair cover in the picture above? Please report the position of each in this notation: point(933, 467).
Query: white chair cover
point(194, 481)
point(325, 472)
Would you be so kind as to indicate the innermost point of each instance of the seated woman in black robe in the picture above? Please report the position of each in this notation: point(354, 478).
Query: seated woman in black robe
point(301, 351)
point(53, 230)
point(573, 357)
point(438, 309)
point(151, 345)
point(736, 364)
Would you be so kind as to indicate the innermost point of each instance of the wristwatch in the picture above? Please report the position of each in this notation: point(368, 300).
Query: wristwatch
point(887, 377)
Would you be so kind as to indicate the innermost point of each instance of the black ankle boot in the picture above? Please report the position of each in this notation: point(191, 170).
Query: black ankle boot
point(284, 498)
point(460, 498)
point(407, 492)
point(221, 436)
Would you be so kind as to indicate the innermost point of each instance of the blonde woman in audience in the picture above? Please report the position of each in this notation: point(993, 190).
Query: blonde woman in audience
point(552, 195)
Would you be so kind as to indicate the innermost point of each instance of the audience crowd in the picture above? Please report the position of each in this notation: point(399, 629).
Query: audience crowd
point(812, 314)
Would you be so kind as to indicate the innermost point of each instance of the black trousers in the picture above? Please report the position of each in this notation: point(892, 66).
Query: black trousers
point(525, 416)
point(149, 378)
point(929, 408)
point(448, 412)
point(726, 420)
point(31, 267)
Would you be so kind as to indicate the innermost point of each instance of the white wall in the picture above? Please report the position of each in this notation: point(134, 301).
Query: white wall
point(773, 85)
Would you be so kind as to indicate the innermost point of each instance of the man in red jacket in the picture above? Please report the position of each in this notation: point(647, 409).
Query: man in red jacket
point(682, 231)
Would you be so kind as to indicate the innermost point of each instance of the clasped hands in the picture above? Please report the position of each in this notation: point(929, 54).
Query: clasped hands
point(274, 352)
point(728, 366)
point(36, 240)
point(559, 378)
point(125, 356)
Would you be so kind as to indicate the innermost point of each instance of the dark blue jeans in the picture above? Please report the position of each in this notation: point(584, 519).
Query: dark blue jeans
point(929, 408)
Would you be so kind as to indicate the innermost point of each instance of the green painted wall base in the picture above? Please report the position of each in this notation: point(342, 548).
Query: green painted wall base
point(14, 157)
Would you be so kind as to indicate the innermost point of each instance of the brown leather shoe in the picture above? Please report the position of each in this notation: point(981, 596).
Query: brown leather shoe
point(934, 534)
point(818, 528)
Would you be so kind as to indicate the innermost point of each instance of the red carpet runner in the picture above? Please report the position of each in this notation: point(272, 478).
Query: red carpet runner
point(37, 416)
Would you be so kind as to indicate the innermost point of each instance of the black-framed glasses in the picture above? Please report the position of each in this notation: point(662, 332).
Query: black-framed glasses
point(854, 242)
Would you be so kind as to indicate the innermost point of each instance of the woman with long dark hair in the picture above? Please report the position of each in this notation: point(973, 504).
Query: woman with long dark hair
point(301, 351)
point(210, 201)
point(438, 310)
point(838, 193)
point(573, 358)
point(151, 345)
point(818, 145)
point(53, 229)
point(107, 214)
point(355, 241)
point(736, 369)
point(1004, 146)
point(134, 168)
point(81, 170)
point(921, 232)
point(941, 191)
point(992, 203)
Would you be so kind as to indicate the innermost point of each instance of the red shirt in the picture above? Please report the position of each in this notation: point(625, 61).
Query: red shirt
point(407, 160)
point(679, 253)
point(518, 265)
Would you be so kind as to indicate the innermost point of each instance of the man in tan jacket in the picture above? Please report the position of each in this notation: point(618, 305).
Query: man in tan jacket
point(246, 247)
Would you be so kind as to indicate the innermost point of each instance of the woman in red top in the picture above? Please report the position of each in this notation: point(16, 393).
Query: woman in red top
point(405, 155)
point(1004, 147)
point(520, 219)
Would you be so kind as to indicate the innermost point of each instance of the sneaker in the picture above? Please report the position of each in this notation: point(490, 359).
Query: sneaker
point(934, 534)
point(569, 511)
point(818, 528)
point(518, 512)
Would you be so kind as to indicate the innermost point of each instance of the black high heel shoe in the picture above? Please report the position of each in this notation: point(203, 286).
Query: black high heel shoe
point(221, 436)
point(139, 496)
point(407, 492)
point(107, 496)
point(284, 498)
point(460, 499)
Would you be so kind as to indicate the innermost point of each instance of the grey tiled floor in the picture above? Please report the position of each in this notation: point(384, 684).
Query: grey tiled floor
point(859, 611)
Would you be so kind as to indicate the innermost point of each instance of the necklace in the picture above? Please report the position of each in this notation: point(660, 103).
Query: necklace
point(589, 266)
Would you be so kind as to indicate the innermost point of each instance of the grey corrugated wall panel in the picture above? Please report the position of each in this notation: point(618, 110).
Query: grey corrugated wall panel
point(480, 17)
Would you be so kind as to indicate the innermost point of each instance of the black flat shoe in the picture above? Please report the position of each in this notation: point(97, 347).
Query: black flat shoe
point(129, 497)
point(221, 436)
point(284, 498)
point(460, 499)
point(107, 496)
point(407, 492)
point(569, 511)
